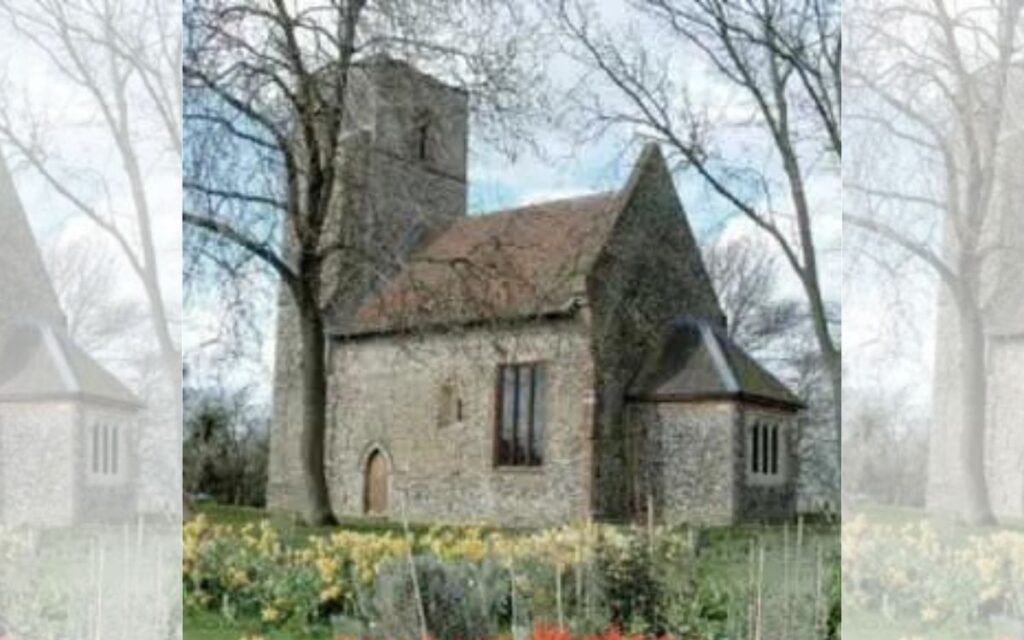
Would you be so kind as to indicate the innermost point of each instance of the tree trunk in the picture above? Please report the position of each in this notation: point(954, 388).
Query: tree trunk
point(316, 510)
point(977, 508)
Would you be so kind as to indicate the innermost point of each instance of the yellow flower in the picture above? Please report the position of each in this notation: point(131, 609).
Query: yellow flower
point(271, 614)
point(929, 614)
point(330, 594)
point(237, 578)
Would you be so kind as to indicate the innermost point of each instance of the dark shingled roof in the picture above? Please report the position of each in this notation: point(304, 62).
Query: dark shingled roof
point(38, 363)
point(529, 261)
point(695, 360)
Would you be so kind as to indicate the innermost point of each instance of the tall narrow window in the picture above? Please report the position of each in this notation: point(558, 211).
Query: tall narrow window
point(106, 449)
point(775, 449)
point(537, 423)
point(755, 439)
point(764, 448)
point(507, 423)
point(113, 451)
point(422, 140)
point(96, 448)
point(420, 135)
point(521, 418)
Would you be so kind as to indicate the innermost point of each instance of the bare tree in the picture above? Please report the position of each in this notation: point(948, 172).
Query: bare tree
point(84, 273)
point(783, 58)
point(937, 80)
point(123, 58)
point(269, 86)
point(744, 274)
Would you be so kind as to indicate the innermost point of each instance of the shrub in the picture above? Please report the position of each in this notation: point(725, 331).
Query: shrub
point(458, 599)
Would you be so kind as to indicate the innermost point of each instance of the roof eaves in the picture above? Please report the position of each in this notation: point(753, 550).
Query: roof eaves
point(566, 310)
point(19, 398)
point(686, 398)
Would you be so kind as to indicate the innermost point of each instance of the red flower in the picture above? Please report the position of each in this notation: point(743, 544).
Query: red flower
point(545, 632)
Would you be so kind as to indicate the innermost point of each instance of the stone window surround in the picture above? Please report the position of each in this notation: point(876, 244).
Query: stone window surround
point(519, 469)
point(116, 447)
point(783, 424)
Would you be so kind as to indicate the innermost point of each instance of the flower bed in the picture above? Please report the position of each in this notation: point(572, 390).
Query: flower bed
point(943, 578)
point(469, 582)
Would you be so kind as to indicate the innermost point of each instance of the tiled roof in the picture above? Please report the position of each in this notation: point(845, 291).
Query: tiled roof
point(695, 360)
point(40, 363)
point(522, 262)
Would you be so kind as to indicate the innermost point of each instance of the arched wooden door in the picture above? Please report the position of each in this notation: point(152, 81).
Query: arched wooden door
point(375, 501)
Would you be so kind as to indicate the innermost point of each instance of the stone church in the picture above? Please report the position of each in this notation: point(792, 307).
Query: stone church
point(67, 425)
point(555, 362)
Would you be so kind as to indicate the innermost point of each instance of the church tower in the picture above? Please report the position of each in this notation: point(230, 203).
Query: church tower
point(402, 178)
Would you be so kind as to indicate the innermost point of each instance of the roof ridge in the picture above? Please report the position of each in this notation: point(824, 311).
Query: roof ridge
point(722, 363)
point(607, 194)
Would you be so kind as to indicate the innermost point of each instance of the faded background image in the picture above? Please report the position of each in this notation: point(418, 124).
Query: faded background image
point(933, 446)
point(90, 472)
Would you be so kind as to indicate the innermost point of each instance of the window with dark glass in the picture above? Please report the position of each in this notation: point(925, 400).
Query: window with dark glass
point(775, 449)
point(764, 449)
point(755, 440)
point(422, 138)
point(96, 448)
point(421, 135)
point(105, 453)
point(521, 419)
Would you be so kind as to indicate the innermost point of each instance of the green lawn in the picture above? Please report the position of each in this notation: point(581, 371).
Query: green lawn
point(295, 533)
point(864, 626)
point(210, 626)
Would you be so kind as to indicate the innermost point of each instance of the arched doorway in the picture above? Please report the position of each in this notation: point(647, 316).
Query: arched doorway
point(375, 498)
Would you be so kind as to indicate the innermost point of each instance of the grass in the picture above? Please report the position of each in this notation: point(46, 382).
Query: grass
point(293, 532)
point(871, 626)
point(211, 626)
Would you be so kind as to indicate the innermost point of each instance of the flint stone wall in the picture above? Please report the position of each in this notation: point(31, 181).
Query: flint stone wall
point(696, 462)
point(33, 437)
point(386, 394)
point(688, 461)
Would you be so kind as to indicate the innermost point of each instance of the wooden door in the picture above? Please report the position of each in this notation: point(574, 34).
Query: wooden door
point(376, 499)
